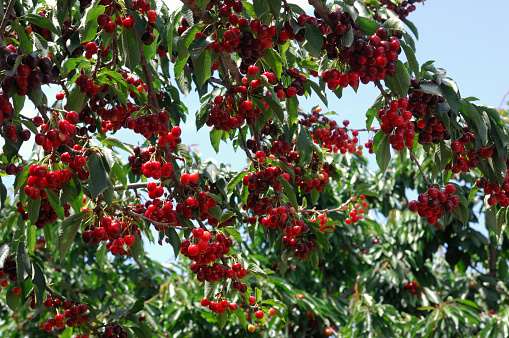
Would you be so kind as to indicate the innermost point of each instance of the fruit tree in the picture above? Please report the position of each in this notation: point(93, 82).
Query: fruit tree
point(304, 239)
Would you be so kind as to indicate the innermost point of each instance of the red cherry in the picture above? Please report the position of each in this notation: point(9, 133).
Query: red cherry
point(151, 16)
point(259, 314)
point(128, 23)
point(252, 70)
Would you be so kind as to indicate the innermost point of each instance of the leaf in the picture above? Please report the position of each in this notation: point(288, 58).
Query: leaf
point(33, 209)
point(383, 151)
point(171, 233)
point(130, 50)
point(490, 218)
point(41, 21)
point(215, 138)
point(373, 110)
point(137, 306)
point(260, 7)
point(137, 248)
point(274, 302)
point(4, 252)
point(367, 26)
point(241, 316)
point(394, 24)
point(254, 268)
point(55, 203)
point(67, 231)
point(23, 267)
point(401, 82)
point(209, 289)
point(68, 331)
point(31, 238)
point(236, 180)
point(234, 232)
point(76, 100)
point(451, 93)
point(99, 178)
point(202, 68)
point(276, 108)
point(39, 282)
point(412, 28)
point(348, 39)
point(432, 295)
point(273, 60)
point(305, 144)
point(275, 7)
point(289, 192)
point(12, 300)
point(115, 142)
point(321, 94)
point(88, 27)
point(198, 46)
point(314, 39)
point(221, 319)
point(412, 60)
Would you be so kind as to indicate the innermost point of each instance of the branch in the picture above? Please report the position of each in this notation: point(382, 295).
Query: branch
point(245, 146)
point(130, 186)
point(412, 156)
point(232, 67)
point(197, 12)
point(4, 51)
point(140, 216)
point(492, 259)
point(383, 92)
point(328, 211)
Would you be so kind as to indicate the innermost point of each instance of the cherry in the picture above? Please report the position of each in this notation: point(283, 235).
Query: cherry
point(128, 23)
point(259, 314)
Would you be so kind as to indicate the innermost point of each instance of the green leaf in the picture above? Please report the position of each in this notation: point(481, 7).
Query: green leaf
point(274, 302)
point(215, 138)
point(432, 295)
point(42, 21)
point(137, 248)
point(276, 108)
point(254, 268)
point(115, 142)
point(288, 191)
point(23, 267)
point(383, 152)
point(490, 218)
point(373, 110)
point(412, 28)
point(31, 238)
point(202, 68)
point(76, 100)
point(401, 82)
point(198, 46)
point(68, 331)
point(88, 27)
point(12, 300)
point(305, 144)
point(241, 316)
point(260, 7)
point(221, 319)
point(67, 231)
point(236, 180)
point(39, 282)
point(55, 203)
point(130, 50)
point(451, 93)
point(33, 209)
point(275, 7)
point(321, 93)
point(209, 289)
point(5, 249)
point(314, 39)
point(367, 26)
point(233, 232)
point(273, 60)
point(137, 306)
point(394, 24)
point(99, 178)
point(412, 60)
point(171, 233)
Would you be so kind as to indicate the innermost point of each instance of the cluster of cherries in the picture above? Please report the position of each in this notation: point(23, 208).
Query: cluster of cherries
point(322, 219)
point(329, 135)
point(119, 234)
point(46, 213)
point(432, 204)
point(66, 314)
point(395, 120)
point(202, 203)
point(497, 194)
point(412, 287)
point(30, 74)
point(155, 124)
point(218, 307)
point(296, 237)
point(5, 107)
point(358, 211)
point(44, 32)
point(8, 273)
point(402, 8)
point(296, 86)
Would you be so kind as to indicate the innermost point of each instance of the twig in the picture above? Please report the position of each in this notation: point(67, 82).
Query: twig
point(4, 51)
point(412, 156)
point(130, 186)
point(232, 67)
point(197, 12)
point(245, 146)
point(328, 211)
point(383, 92)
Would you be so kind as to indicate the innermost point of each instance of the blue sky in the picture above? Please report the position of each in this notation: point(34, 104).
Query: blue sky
point(467, 39)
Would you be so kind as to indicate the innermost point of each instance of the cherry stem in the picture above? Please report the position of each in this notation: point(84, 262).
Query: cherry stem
point(412, 156)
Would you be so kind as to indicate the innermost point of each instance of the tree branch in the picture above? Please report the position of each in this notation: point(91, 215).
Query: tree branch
point(4, 51)
point(412, 156)
point(328, 211)
point(323, 11)
point(140, 216)
point(383, 92)
point(232, 67)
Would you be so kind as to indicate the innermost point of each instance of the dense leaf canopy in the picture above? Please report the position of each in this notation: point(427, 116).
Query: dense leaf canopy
point(305, 240)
